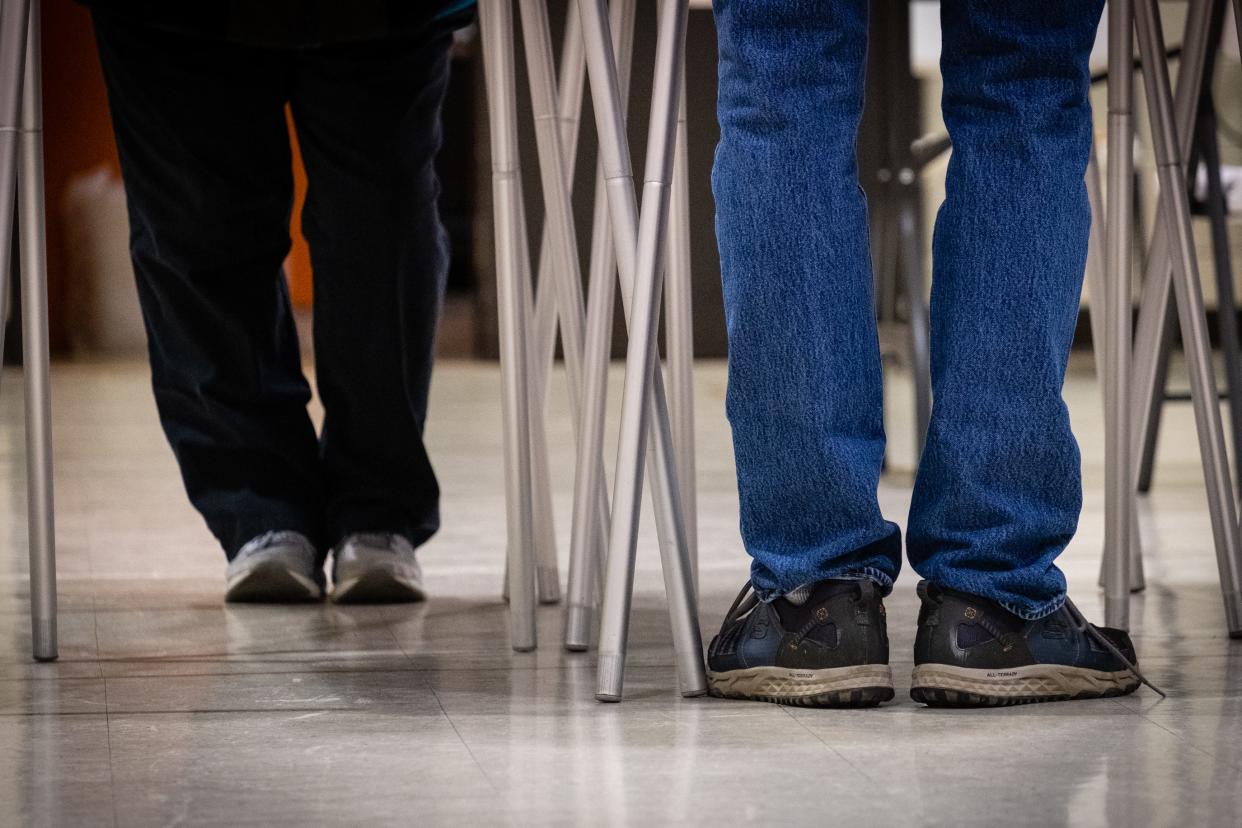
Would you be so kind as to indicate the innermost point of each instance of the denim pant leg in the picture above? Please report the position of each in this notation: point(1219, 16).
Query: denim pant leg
point(805, 393)
point(999, 486)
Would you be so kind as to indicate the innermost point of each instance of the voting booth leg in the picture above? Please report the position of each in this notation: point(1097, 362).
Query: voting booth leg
point(21, 192)
point(640, 254)
point(1118, 493)
point(513, 300)
point(588, 542)
point(33, 244)
point(1096, 278)
point(679, 331)
point(1189, 296)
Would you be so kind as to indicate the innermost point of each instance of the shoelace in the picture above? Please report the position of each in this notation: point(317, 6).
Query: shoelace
point(741, 605)
point(1085, 626)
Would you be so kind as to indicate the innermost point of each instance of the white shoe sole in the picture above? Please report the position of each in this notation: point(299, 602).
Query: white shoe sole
point(378, 585)
point(271, 582)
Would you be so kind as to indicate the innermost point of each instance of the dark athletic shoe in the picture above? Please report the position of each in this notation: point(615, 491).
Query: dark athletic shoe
point(275, 568)
point(831, 651)
point(971, 652)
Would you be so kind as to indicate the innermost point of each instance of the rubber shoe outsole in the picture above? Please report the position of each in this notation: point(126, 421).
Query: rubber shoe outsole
point(378, 585)
point(943, 685)
point(864, 685)
point(271, 582)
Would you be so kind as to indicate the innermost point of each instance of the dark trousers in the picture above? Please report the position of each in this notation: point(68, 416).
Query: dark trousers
point(205, 156)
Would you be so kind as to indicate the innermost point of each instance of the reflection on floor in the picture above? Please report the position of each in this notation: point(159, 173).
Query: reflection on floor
point(168, 706)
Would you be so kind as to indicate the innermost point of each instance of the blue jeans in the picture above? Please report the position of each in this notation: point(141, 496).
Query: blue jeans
point(998, 490)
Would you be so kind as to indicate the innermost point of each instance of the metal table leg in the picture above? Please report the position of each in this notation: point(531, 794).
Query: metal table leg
point(33, 243)
point(588, 542)
point(14, 27)
point(679, 331)
point(1154, 330)
point(1119, 493)
point(1189, 296)
point(1097, 288)
point(513, 296)
point(640, 253)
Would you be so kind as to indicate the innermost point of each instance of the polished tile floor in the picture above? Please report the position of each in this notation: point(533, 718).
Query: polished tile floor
point(169, 707)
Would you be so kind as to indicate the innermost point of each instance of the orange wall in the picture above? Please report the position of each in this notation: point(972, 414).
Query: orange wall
point(297, 266)
point(77, 138)
point(77, 135)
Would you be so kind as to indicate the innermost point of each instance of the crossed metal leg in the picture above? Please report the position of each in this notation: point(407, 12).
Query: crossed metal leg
point(1201, 147)
point(586, 561)
point(640, 256)
point(1173, 260)
point(21, 178)
point(586, 333)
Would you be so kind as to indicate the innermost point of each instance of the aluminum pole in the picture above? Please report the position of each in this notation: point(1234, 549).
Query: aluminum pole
point(33, 243)
point(679, 331)
point(1170, 167)
point(1097, 289)
point(14, 26)
point(640, 251)
point(568, 115)
point(1118, 481)
point(1153, 328)
point(513, 299)
point(588, 540)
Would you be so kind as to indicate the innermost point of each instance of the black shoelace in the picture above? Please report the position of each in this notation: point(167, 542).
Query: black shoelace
point(1085, 626)
point(742, 604)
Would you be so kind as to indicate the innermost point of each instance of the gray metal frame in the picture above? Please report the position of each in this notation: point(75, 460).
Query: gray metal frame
point(514, 305)
point(1118, 488)
point(1097, 289)
point(1173, 260)
point(21, 189)
point(1200, 147)
point(586, 555)
point(640, 255)
point(529, 330)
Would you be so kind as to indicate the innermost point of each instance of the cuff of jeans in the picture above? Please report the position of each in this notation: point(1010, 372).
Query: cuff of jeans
point(1037, 612)
point(866, 573)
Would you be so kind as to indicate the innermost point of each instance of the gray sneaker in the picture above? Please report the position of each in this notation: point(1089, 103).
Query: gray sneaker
point(277, 568)
point(376, 569)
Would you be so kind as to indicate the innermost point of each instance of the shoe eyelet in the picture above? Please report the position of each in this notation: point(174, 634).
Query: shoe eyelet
point(821, 614)
point(971, 612)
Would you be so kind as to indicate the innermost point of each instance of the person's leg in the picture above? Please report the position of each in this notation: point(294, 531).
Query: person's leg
point(998, 489)
point(805, 396)
point(368, 123)
point(205, 156)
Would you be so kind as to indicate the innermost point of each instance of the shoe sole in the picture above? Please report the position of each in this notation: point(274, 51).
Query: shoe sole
point(378, 585)
point(865, 685)
point(271, 582)
point(944, 685)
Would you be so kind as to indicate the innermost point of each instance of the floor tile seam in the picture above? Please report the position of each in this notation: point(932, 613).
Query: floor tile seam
point(1183, 739)
point(111, 766)
point(796, 719)
point(386, 708)
point(469, 750)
